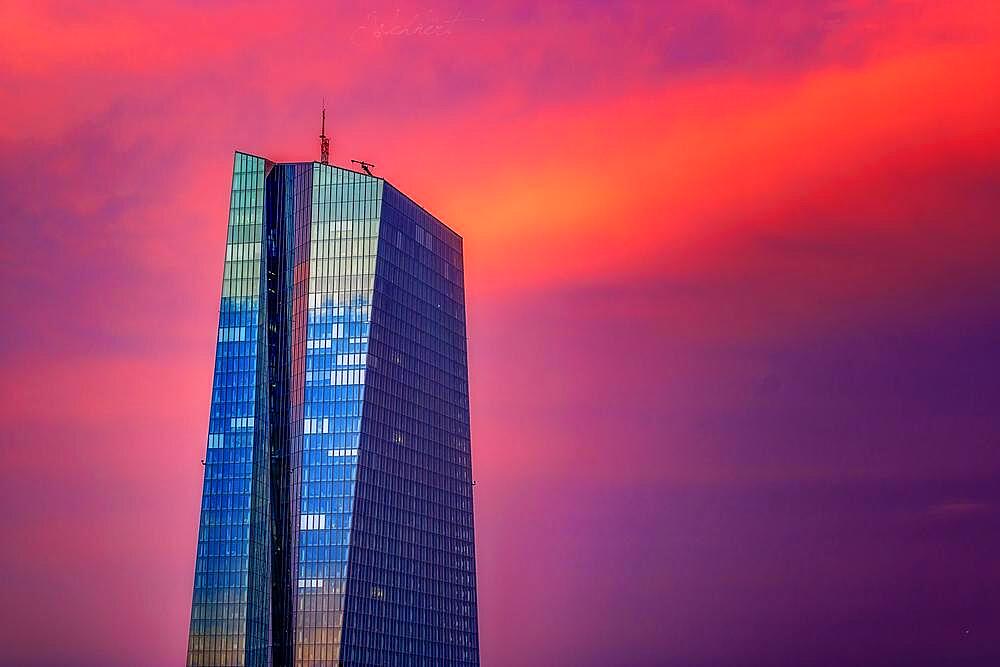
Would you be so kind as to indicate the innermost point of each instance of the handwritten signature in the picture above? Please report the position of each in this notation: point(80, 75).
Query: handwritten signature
point(421, 24)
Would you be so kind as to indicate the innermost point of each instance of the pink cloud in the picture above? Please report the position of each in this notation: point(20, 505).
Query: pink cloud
point(673, 219)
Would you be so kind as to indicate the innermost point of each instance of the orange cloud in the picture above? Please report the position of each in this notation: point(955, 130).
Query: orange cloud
point(606, 189)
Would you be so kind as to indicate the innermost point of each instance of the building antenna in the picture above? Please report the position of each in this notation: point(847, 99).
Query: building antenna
point(367, 166)
point(324, 141)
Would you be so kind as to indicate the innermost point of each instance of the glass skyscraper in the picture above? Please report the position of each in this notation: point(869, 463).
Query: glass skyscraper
point(336, 521)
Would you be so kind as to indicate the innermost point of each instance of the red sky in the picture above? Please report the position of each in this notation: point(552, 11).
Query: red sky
point(733, 309)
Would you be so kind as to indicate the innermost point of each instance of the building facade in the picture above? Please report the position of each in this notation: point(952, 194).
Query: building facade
point(336, 522)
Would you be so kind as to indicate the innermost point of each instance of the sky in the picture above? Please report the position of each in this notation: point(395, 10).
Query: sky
point(733, 302)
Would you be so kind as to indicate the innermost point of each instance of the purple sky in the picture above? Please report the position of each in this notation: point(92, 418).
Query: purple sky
point(734, 309)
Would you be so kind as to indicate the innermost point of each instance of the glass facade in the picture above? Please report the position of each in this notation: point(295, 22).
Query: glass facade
point(337, 524)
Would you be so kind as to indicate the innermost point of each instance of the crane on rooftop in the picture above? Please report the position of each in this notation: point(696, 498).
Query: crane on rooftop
point(367, 166)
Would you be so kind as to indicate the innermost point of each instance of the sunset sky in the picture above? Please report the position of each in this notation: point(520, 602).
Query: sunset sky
point(733, 285)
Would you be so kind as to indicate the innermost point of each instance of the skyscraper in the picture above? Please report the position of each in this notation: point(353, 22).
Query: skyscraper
point(336, 521)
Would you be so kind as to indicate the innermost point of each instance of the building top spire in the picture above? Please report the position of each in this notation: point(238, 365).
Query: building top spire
point(324, 141)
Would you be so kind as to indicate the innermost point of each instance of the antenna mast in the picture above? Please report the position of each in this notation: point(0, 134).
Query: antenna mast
point(324, 141)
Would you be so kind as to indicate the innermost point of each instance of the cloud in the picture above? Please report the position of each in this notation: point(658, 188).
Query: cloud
point(958, 509)
point(731, 274)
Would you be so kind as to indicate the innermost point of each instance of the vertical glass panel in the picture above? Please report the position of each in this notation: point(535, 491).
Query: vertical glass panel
point(219, 613)
point(330, 348)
